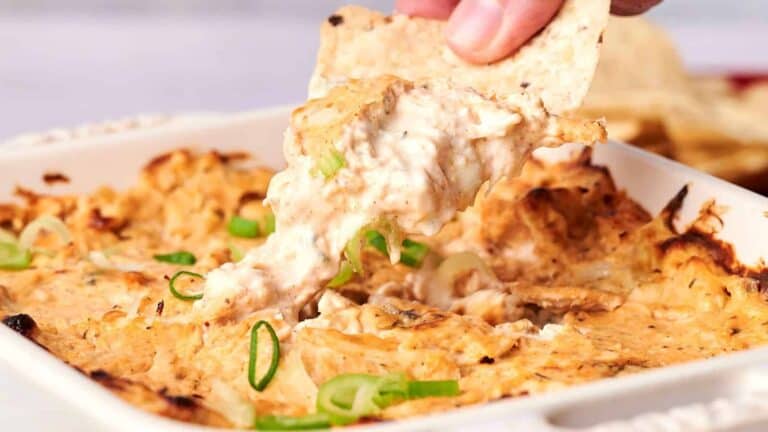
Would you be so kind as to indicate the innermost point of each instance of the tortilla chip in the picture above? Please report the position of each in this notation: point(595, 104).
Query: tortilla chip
point(732, 163)
point(756, 97)
point(642, 88)
point(716, 119)
point(639, 74)
point(641, 77)
point(320, 122)
point(556, 65)
point(712, 85)
point(623, 129)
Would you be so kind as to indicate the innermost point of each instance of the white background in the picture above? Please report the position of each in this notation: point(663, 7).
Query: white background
point(64, 63)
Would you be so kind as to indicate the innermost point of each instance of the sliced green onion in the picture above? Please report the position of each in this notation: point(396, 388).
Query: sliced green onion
point(242, 227)
point(375, 239)
point(389, 387)
point(422, 389)
point(180, 257)
point(235, 252)
point(269, 224)
point(412, 253)
point(329, 163)
point(393, 388)
point(281, 423)
point(178, 295)
point(347, 397)
point(344, 397)
point(264, 381)
point(12, 257)
point(46, 222)
point(354, 251)
point(393, 236)
point(345, 274)
point(353, 263)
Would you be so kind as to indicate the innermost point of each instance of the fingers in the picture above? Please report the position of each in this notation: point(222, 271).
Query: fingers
point(437, 9)
point(632, 7)
point(483, 31)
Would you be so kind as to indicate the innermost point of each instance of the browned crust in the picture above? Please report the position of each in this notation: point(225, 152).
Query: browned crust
point(160, 402)
point(139, 351)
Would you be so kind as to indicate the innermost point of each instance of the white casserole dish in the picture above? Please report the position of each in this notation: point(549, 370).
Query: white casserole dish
point(718, 394)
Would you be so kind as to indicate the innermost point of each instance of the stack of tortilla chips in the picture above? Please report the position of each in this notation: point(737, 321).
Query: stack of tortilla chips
point(643, 90)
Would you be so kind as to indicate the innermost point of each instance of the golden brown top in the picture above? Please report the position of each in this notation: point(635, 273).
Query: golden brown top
point(617, 290)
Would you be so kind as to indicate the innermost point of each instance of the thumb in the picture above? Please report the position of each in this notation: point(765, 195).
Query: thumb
point(483, 31)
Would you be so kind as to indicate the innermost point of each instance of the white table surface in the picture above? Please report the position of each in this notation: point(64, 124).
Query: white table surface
point(65, 70)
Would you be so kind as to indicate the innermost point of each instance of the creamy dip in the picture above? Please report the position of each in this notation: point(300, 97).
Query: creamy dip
point(416, 167)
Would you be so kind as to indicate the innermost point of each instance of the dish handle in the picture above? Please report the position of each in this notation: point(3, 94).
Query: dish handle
point(731, 400)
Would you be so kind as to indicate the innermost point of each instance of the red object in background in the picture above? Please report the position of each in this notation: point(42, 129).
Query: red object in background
point(743, 80)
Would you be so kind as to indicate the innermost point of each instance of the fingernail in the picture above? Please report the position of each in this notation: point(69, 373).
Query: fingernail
point(474, 24)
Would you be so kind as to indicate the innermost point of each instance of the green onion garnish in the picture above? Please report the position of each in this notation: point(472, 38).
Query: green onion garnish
point(354, 251)
point(348, 397)
point(180, 257)
point(412, 254)
point(394, 388)
point(264, 381)
point(422, 389)
point(377, 240)
point(178, 295)
point(13, 257)
point(345, 274)
point(16, 254)
point(49, 223)
point(242, 227)
point(353, 263)
point(280, 423)
point(330, 162)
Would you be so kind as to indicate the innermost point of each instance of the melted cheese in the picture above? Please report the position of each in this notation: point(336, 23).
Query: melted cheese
point(417, 168)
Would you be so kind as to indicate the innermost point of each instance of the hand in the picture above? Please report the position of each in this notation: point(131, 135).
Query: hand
point(483, 31)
